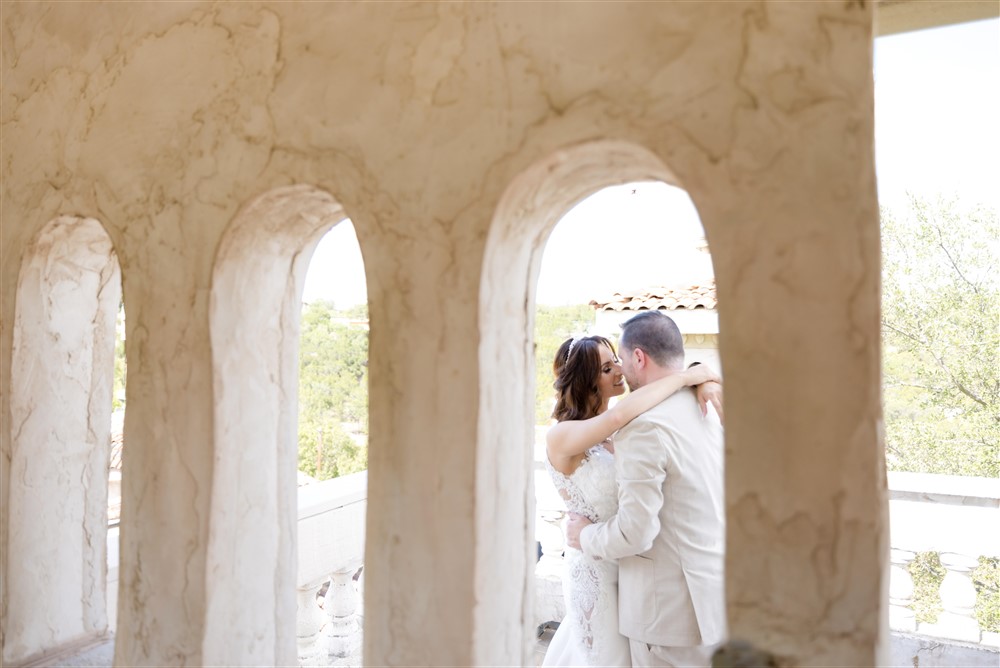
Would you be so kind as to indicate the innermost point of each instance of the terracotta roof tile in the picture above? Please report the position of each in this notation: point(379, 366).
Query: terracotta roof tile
point(669, 299)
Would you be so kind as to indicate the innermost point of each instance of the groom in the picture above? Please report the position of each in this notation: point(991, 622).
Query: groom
point(668, 534)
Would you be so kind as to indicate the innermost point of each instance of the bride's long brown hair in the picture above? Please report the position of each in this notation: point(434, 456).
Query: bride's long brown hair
point(577, 367)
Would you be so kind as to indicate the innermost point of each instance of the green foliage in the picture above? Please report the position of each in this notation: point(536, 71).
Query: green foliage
point(333, 391)
point(328, 451)
point(927, 573)
point(986, 578)
point(118, 386)
point(553, 325)
point(941, 330)
point(358, 312)
point(941, 365)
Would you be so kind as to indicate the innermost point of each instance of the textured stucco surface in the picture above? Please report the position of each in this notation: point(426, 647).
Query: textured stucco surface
point(439, 129)
point(69, 289)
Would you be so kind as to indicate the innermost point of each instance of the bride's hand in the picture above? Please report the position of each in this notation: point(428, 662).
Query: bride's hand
point(710, 393)
point(700, 373)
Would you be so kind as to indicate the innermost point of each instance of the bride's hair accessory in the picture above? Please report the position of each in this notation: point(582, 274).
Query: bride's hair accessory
point(572, 343)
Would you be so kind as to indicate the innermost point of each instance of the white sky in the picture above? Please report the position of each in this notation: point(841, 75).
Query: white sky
point(937, 105)
point(336, 271)
point(656, 225)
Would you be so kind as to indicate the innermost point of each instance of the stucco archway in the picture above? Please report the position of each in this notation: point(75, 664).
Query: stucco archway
point(68, 292)
point(819, 442)
point(526, 214)
point(254, 312)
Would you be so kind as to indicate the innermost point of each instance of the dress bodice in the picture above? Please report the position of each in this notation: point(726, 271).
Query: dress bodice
point(591, 490)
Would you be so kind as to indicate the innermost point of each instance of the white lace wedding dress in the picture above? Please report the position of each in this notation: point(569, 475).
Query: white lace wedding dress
point(588, 634)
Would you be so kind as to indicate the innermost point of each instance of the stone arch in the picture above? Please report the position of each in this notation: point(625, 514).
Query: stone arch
point(254, 309)
point(68, 291)
point(527, 212)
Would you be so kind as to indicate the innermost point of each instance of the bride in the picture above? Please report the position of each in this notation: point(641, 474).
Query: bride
point(581, 463)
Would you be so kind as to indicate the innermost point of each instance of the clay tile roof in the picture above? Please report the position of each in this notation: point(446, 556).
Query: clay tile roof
point(669, 299)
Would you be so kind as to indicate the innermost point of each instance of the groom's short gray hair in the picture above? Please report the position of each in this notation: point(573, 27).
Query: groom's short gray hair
point(657, 335)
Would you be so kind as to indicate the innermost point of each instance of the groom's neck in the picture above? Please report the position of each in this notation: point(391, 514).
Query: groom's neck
point(656, 372)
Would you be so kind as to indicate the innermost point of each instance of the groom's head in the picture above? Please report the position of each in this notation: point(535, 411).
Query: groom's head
point(651, 347)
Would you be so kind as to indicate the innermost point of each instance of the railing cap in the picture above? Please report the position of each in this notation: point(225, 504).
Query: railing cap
point(328, 495)
point(950, 489)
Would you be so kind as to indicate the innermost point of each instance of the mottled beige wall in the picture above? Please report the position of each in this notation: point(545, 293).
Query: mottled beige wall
point(163, 119)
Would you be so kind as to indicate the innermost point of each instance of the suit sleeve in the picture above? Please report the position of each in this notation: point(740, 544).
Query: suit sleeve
point(641, 467)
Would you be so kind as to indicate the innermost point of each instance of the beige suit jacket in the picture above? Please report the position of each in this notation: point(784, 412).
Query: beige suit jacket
point(669, 533)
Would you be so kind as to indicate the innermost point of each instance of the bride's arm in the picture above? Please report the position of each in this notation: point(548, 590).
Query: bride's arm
point(573, 437)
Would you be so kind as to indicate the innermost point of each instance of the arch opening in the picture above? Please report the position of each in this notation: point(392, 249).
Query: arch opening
point(68, 297)
point(525, 217)
point(622, 251)
point(265, 528)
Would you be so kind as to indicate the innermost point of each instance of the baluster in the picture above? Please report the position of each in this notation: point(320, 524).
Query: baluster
point(958, 598)
point(360, 586)
point(341, 605)
point(901, 614)
point(553, 539)
point(549, 603)
point(308, 624)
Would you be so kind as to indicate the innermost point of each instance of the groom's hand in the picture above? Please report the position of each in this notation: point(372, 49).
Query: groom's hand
point(574, 525)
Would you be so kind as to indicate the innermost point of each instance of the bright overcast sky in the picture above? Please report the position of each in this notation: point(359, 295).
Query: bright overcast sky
point(937, 101)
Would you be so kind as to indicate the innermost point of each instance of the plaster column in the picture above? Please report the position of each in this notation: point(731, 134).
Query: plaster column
point(167, 460)
point(68, 291)
point(792, 220)
point(421, 558)
point(255, 305)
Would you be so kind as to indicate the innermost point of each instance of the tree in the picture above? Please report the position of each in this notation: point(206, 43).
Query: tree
point(118, 386)
point(327, 451)
point(941, 333)
point(553, 325)
point(333, 392)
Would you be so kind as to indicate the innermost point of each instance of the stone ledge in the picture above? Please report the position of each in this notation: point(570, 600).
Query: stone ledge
point(946, 489)
point(907, 651)
point(95, 651)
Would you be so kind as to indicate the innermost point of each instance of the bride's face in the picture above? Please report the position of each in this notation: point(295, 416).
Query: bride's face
point(611, 382)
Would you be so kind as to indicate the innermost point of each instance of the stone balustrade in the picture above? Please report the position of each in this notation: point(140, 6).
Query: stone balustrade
point(331, 556)
point(549, 514)
point(330, 582)
point(957, 517)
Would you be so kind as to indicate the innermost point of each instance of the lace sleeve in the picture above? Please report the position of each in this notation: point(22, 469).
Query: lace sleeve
point(571, 494)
